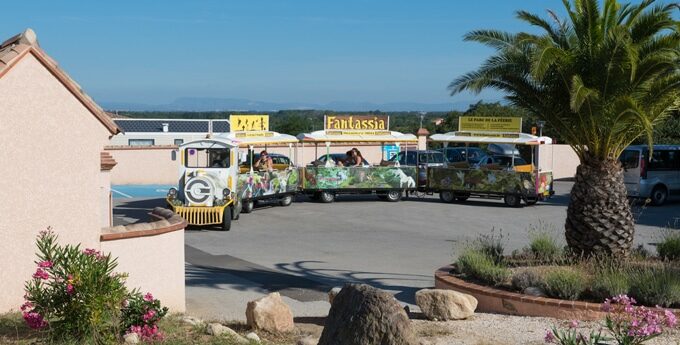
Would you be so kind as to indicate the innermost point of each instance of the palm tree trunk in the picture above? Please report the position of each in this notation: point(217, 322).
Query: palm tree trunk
point(599, 219)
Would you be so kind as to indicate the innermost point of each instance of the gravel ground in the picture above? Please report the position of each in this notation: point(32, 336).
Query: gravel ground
point(494, 329)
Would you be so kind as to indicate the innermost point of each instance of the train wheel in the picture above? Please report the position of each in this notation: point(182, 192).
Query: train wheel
point(248, 206)
point(226, 219)
point(286, 200)
point(512, 200)
point(326, 197)
point(446, 196)
point(393, 196)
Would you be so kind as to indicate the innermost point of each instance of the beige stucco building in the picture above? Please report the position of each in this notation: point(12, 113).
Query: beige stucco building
point(49, 179)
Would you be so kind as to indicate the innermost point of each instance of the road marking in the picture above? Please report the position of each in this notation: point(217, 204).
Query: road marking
point(121, 193)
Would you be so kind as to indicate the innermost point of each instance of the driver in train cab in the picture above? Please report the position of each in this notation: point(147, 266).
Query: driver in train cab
point(264, 162)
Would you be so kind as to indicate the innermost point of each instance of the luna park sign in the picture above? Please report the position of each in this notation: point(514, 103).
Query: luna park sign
point(356, 122)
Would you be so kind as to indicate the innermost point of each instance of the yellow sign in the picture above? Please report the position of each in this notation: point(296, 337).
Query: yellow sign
point(490, 124)
point(249, 123)
point(357, 122)
point(253, 134)
point(358, 132)
point(488, 134)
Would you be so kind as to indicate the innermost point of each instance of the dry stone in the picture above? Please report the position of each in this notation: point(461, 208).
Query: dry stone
point(442, 305)
point(131, 338)
point(332, 293)
point(218, 329)
point(361, 314)
point(308, 340)
point(270, 313)
point(253, 337)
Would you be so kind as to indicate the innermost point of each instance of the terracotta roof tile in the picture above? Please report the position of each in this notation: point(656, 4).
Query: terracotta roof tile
point(13, 49)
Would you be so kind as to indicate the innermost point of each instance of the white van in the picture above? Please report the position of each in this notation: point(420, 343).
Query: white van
point(658, 178)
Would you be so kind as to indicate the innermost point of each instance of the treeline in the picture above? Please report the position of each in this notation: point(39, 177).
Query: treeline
point(298, 121)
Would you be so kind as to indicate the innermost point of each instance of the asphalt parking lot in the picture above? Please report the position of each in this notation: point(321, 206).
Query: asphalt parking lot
point(305, 249)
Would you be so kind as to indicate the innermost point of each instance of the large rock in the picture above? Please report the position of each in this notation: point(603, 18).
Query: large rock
point(362, 315)
point(220, 330)
point(270, 313)
point(441, 305)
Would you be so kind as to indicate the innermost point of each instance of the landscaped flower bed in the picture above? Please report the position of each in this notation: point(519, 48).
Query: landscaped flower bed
point(544, 279)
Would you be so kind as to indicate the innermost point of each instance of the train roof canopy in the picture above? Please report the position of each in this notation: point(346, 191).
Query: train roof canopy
point(357, 136)
point(489, 138)
point(210, 143)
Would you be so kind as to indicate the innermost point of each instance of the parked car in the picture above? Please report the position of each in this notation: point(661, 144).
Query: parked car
point(658, 178)
point(335, 157)
point(461, 154)
point(279, 162)
point(422, 159)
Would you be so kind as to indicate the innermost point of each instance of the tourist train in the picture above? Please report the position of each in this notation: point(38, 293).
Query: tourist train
point(223, 176)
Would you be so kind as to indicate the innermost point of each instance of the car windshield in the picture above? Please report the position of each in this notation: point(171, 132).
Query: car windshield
point(206, 158)
point(506, 161)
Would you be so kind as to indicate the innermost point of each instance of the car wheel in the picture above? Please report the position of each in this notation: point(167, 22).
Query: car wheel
point(393, 196)
point(226, 219)
point(446, 196)
point(659, 195)
point(286, 200)
point(512, 200)
point(248, 206)
point(326, 197)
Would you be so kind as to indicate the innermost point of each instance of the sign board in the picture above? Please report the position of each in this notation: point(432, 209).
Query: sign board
point(390, 151)
point(489, 134)
point(257, 134)
point(368, 133)
point(357, 122)
point(249, 123)
point(490, 124)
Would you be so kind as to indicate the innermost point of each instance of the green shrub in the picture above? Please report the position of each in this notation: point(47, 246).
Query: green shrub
point(526, 278)
point(75, 292)
point(655, 286)
point(481, 266)
point(543, 245)
point(78, 296)
point(565, 283)
point(610, 282)
point(491, 244)
point(669, 247)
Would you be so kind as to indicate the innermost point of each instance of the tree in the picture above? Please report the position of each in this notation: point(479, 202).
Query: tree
point(602, 77)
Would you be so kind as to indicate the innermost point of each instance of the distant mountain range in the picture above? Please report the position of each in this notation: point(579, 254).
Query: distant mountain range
point(237, 104)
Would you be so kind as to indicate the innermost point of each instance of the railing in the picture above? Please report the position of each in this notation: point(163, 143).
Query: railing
point(260, 184)
point(489, 181)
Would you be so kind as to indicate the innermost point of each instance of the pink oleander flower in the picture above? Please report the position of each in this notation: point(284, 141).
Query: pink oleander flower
point(146, 332)
point(27, 306)
point(45, 264)
point(41, 274)
point(549, 337)
point(149, 315)
point(148, 297)
point(573, 324)
point(70, 289)
point(34, 320)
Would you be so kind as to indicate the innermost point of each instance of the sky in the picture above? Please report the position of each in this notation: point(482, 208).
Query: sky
point(152, 52)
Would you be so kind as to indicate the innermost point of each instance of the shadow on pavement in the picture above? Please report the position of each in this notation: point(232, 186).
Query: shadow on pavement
point(294, 280)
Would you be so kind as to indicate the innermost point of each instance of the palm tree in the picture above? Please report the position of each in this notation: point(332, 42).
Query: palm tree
point(602, 77)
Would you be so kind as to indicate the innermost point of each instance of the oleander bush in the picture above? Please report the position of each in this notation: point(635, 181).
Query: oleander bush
point(565, 283)
point(75, 295)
